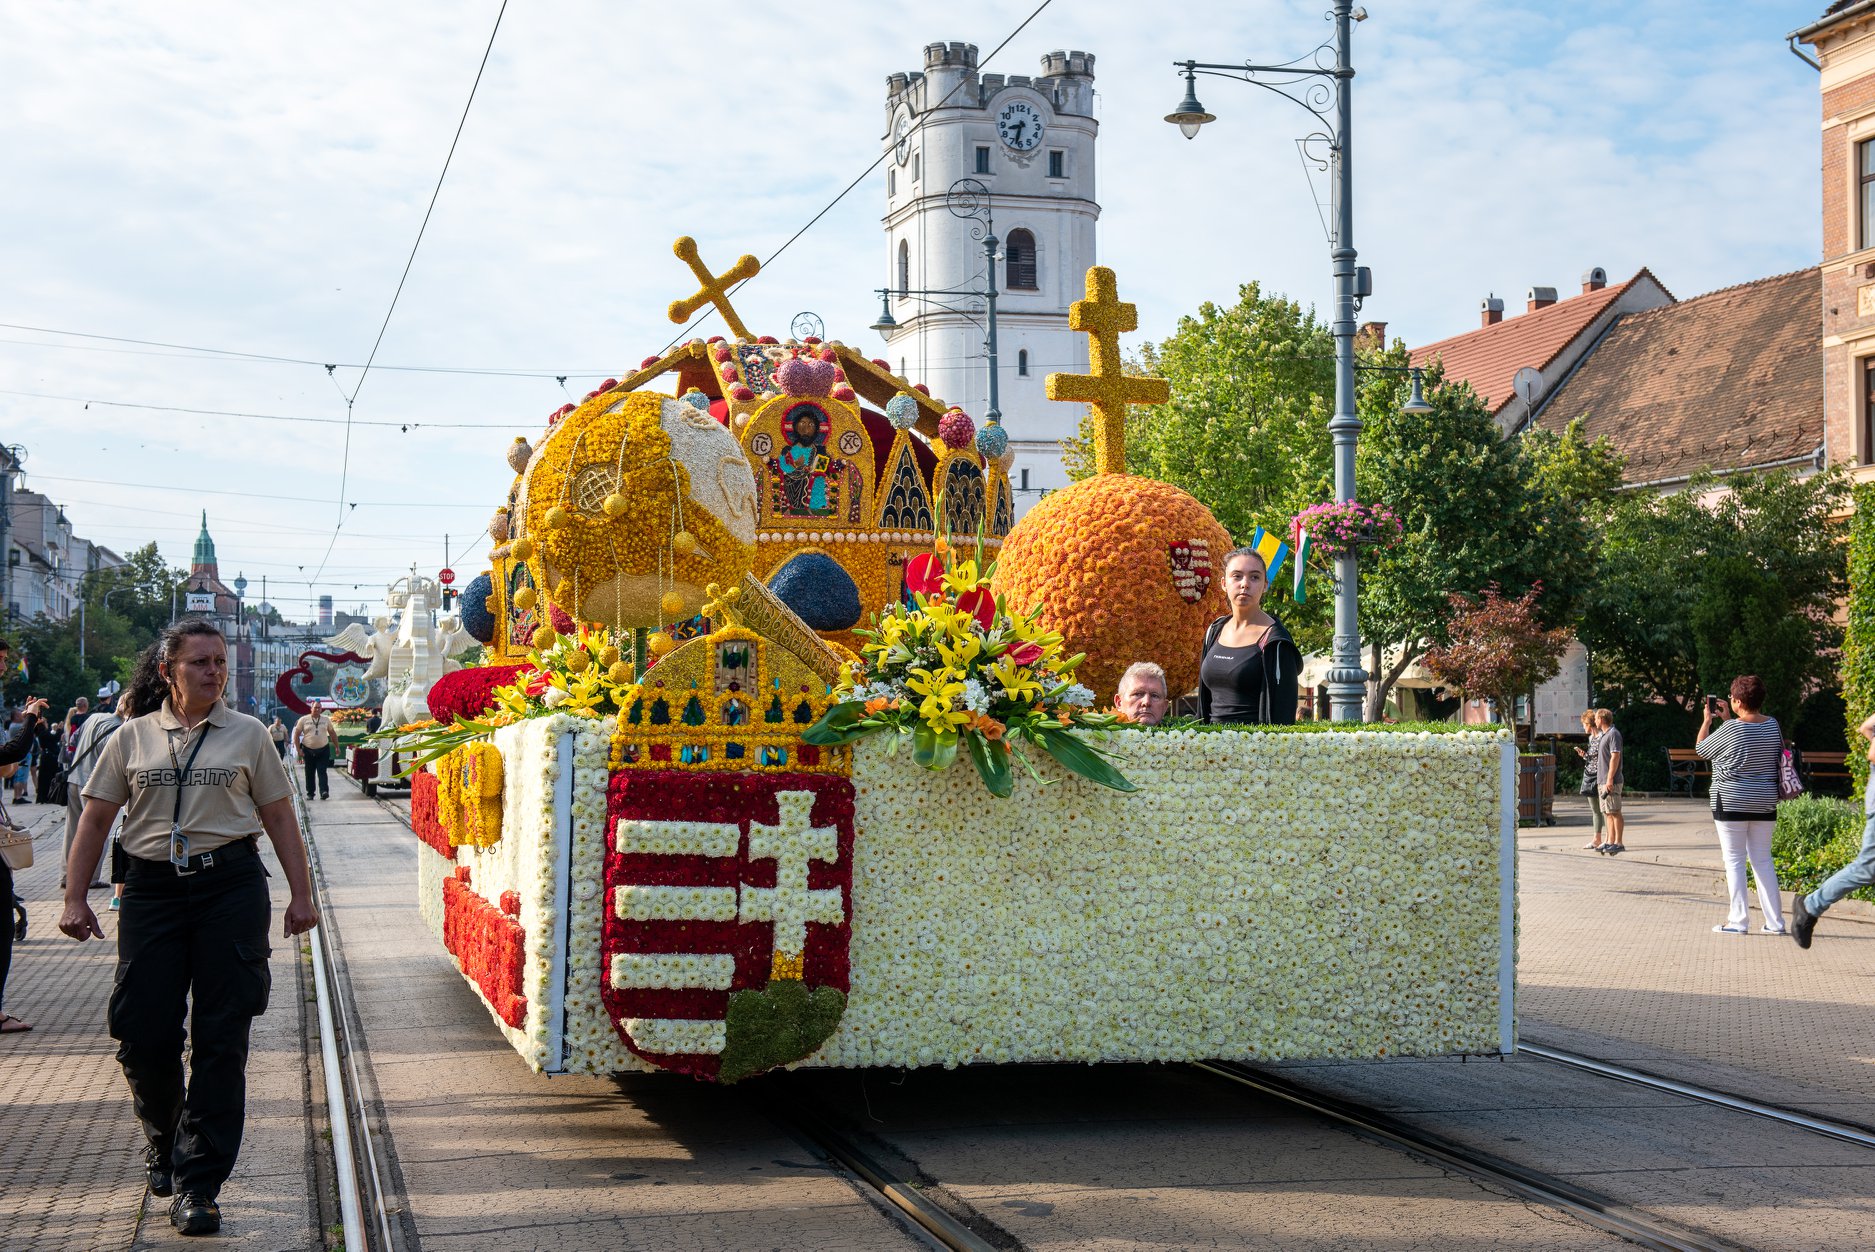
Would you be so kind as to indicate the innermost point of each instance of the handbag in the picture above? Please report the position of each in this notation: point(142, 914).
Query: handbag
point(16, 851)
point(1789, 785)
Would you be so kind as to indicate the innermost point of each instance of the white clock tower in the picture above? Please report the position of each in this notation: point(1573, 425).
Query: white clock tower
point(1030, 141)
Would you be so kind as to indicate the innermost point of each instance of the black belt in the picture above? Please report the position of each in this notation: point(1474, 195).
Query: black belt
point(216, 858)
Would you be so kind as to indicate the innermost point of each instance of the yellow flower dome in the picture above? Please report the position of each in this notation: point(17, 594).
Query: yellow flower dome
point(675, 470)
point(1126, 569)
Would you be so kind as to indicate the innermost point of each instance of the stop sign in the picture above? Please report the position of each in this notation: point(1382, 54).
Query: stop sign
point(446, 576)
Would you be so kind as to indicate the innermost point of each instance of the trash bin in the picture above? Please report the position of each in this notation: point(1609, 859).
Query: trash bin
point(1536, 789)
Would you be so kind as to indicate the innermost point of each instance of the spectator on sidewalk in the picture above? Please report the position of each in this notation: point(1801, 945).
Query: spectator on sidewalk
point(198, 790)
point(312, 740)
point(1608, 755)
point(22, 769)
point(15, 749)
point(278, 732)
point(1805, 910)
point(92, 737)
point(1589, 785)
point(45, 761)
point(1745, 753)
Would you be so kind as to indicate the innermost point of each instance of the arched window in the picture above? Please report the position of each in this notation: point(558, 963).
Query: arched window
point(1022, 362)
point(1019, 261)
point(904, 267)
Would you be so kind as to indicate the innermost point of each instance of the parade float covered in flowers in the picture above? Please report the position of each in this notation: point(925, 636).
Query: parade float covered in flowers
point(787, 749)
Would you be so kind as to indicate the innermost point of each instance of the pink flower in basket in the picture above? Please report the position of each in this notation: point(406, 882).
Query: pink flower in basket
point(1340, 528)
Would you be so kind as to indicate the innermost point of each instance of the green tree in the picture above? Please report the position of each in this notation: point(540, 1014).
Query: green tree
point(1742, 623)
point(125, 608)
point(1858, 643)
point(1479, 511)
point(1662, 555)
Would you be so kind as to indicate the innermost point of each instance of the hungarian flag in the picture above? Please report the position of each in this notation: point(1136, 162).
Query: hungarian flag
point(1302, 560)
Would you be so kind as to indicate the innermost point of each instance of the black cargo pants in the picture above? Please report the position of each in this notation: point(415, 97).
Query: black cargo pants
point(197, 941)
point(316, 762)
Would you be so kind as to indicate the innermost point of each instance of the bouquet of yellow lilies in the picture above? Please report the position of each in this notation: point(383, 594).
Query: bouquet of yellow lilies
point(957, 670)
point(582, 673)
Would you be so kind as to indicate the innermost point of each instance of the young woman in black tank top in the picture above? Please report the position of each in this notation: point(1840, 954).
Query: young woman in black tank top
point(1250, 667)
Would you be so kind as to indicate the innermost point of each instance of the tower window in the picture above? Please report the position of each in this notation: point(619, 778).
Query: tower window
point(891, 182)
point(1023, 485)
point(1865, 193)
point(1022, 363)
point(983, 158)
point(904, 268)
point(916, 163)
point(1019, 260)
point(1057, 163)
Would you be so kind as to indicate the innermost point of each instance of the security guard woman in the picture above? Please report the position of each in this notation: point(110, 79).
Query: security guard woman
point(201, 783)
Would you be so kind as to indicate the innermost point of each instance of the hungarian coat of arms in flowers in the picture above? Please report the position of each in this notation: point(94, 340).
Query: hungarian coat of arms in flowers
point(728, 912)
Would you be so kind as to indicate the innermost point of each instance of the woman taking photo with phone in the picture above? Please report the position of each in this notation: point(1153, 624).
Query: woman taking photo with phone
point(1745, 753)
point(199, 784)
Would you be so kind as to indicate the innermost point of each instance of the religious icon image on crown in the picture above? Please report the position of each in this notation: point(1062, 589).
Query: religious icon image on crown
point(805, 478)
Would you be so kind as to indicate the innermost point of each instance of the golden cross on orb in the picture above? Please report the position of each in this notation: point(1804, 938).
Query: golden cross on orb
point(1107, 390)
point(715, 289)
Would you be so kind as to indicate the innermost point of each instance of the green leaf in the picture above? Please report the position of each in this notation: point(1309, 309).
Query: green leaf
point(1066, 747)
point(932, 750)
point(992, 762)
point(837, 726)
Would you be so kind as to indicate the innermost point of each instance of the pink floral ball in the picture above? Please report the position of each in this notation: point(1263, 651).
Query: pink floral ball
point(956, 429)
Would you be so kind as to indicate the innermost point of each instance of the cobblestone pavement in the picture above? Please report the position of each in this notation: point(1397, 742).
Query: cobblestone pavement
point(71, 1155)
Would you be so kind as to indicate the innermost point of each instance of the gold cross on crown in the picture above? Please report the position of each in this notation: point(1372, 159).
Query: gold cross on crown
point(715, 289)
point(1108, 389)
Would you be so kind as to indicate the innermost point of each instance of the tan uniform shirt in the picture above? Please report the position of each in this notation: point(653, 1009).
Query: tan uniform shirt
point(235, 773)
point(315, 730)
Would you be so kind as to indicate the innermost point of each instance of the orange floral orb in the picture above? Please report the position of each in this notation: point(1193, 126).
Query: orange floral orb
point(1127, 569)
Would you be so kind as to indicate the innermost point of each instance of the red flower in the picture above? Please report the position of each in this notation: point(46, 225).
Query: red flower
point(1025, 653)
point(538, 683)
point(924, 573)
point(980, 604)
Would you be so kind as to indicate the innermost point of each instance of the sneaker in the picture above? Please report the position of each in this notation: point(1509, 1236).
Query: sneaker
point(1802, 920)
point(158, 1171)
point(195, 1215)
point(1724, 929)
point(1616, 849)
point(1773, 930)
point(117, 903)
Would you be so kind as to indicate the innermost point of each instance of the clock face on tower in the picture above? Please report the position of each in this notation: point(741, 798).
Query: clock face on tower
point(1020, 125)
point(901, 132)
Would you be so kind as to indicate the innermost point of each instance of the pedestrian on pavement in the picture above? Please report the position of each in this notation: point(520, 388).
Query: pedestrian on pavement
point(23, 770)
point(1746, 753)
point(45, 761)
point(1805, 910)
point(198, 790)
point(74, 718)
point(14, 749)
point(277, 732)
point(1589, 784)
point(1609, 757)
point(312, 740)
point(92, 736)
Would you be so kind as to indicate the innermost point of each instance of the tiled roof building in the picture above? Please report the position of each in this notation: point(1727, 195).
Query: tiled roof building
point(1549, 338)
point(1728, 381)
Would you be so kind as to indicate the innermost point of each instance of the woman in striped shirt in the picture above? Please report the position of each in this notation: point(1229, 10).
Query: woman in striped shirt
point(1745, 754)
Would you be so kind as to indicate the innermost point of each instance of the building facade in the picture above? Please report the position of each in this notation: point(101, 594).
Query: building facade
point(45, 562)
point(1030, 141)
point(1844, 43)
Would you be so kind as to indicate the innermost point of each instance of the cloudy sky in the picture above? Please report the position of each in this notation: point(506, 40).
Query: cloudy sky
point(250, 178)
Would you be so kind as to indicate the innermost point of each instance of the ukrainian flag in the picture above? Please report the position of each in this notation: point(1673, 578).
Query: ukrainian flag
point(1273, 551)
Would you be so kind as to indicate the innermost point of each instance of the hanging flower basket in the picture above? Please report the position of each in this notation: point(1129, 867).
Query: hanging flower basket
point(1343, 527)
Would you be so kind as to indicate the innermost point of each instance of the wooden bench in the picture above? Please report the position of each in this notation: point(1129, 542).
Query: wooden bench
point(1827, 767)
point(1686, 769)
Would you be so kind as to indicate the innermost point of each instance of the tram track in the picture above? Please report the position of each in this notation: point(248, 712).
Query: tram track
point(1592, 1208)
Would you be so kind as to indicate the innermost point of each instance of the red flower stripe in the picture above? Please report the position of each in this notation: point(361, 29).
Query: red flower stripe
point(469, 692)
point(424, 821)
point(490, 946)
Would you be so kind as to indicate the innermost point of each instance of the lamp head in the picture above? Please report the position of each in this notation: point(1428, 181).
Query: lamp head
point(886, 323)
point(1416, 400)
point(1189, 115)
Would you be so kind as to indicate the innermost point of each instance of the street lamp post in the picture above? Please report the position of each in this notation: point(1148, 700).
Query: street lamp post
point(968, 199)
point(1324, 88)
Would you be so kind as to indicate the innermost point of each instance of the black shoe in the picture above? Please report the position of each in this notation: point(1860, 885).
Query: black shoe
point(1802, 921)
point(195, 1215)
point(158, 1171)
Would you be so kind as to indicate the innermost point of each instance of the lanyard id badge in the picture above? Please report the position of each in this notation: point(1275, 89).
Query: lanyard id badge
point(179, 842)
